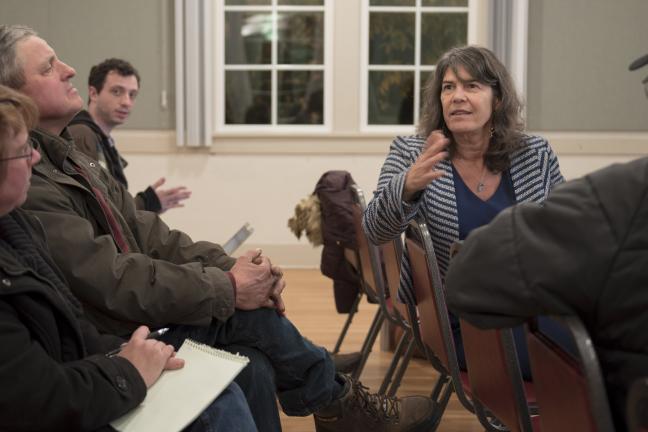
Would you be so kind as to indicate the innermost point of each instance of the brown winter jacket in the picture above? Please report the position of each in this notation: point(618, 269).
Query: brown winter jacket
point(164, 278)
point(338, 233)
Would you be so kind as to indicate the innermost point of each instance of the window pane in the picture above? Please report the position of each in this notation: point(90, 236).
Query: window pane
point(445, 3)
point(423, 79)
point(302, 2)
point(246, 2)
point(301, 97)
point(440, 32)
point(248, 38)
point(391, 38)
point(301, 38)
point(392, 3)
point(247, 97)
point(391, 99)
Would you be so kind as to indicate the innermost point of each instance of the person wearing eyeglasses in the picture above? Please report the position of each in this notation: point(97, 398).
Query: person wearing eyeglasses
point(584, 252)
point(128, 268)
point(54, 373)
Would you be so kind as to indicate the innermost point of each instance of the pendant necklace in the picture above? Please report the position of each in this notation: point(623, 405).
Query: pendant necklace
point(481, 185)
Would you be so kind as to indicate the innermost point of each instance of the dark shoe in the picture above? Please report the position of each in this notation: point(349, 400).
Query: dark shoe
point(346, 363)
point(358, 410)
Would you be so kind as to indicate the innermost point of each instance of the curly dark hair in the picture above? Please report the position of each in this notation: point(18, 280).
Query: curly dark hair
point(97, 77)
point(506, 119)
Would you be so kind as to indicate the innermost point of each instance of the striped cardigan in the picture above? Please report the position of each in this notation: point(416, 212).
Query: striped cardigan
point(534, 171)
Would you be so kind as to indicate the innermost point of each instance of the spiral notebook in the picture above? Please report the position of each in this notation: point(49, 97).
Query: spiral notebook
point(179, 396)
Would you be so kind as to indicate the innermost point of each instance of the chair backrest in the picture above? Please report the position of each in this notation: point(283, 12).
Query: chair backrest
point(392, 256)
point(638, 406)
point(367, 254)
point(434, 322)
point(494, 375)
point(570, 391)
point(371, 263)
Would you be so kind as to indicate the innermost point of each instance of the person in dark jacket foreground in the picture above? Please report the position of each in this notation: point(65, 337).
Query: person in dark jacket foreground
point(128, 268)
point(584, 253)
point(53, 369)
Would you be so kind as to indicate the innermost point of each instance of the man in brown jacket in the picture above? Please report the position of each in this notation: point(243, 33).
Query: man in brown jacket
point(128, 268)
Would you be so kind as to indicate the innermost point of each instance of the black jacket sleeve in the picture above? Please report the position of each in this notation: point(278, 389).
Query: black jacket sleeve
point(533, 259)
point(39, 393)
point(148, 200)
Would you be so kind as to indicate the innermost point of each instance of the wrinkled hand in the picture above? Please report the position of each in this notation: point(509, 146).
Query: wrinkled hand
point(170, 198)
point(254, 280)
point(149, 356)
point(278, 285)
point(423, 171)
point(277, 289)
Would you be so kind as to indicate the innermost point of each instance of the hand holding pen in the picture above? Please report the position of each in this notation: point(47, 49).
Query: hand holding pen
point(149, 356)
point(152, 335)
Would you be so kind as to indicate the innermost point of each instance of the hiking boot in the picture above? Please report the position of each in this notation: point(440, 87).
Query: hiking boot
point(346, 363)
point(358, 410)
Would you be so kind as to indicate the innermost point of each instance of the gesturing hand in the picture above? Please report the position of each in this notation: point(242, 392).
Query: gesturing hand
point(170, 198)
point(149, 356)
point(422, 172)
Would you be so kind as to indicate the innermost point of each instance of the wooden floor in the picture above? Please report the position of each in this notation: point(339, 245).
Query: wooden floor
point(310, 305)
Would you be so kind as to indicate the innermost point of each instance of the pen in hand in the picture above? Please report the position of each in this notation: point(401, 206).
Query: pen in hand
point(153, 335)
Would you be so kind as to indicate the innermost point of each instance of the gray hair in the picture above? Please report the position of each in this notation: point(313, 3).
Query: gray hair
point(11, 73)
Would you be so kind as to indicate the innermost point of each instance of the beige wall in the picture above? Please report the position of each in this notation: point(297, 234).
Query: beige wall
point(85, 32)
point(230, 189)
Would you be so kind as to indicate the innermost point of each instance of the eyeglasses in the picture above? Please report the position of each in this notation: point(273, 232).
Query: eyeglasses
point(27, 153)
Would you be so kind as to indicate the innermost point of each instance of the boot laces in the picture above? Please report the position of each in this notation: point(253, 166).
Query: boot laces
point(380, 407)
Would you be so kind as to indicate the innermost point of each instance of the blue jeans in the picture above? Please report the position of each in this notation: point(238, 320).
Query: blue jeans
point(228, 413)
point(301, 374)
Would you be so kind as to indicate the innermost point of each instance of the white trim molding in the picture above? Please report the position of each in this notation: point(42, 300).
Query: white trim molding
point(563, 143)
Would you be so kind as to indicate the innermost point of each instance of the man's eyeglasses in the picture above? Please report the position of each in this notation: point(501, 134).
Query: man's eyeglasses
point(27, 153)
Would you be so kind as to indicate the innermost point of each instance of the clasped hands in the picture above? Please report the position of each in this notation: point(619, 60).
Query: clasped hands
point(423, 171)
point(258, 282)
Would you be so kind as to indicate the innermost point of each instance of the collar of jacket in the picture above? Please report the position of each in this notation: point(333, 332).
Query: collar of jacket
point(54, 149)
point(83, 117)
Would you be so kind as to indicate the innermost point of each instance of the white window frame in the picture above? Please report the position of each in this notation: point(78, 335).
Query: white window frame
point(220, 69)
point(417, 67)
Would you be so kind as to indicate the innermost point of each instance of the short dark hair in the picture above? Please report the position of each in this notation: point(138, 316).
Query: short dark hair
point(98, 73)
point(484, 67)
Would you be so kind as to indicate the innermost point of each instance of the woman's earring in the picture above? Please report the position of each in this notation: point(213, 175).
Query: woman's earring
point(492, 131)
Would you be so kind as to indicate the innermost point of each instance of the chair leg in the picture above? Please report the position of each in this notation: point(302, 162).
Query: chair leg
point(487, 419)
point(398, 354)
point(396, 382)
point(369, 341)
point(347, 323)
point(441, 395)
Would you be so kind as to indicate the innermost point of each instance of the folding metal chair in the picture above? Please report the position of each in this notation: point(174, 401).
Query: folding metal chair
point(432, 327)
point(375, 279)
point(569, 389)
point(495, 379)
